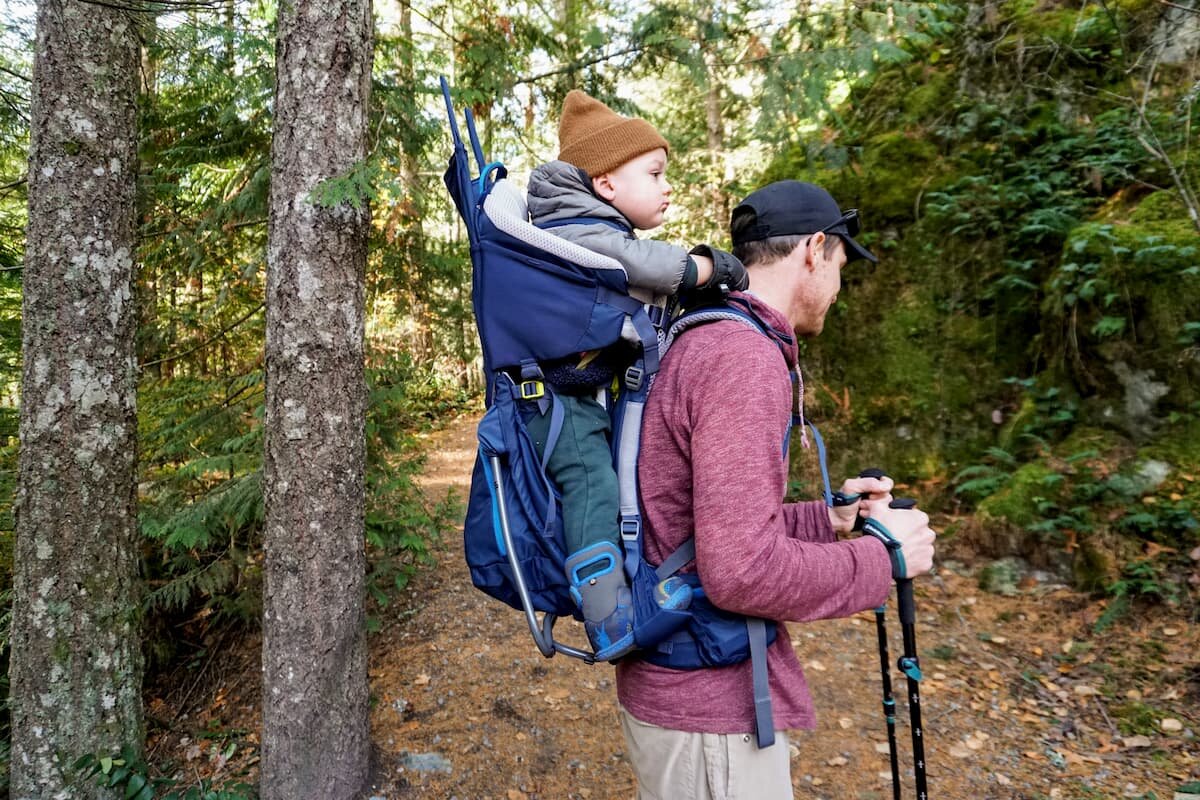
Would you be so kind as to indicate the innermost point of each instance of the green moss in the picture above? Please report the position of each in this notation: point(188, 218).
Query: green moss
point(1093, 569)
point(1159, 207)
point(1135, 718)
point(896, 166)
point(1180, 446)
point(1124, 291)
point(1084, 438)
point(1017, 502)
point(935, 90)
point(1032, 18)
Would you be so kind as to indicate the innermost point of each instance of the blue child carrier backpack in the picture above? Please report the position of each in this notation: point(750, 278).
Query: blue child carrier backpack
point(537, 298)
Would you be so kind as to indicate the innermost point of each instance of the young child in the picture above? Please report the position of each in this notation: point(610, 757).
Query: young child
point(609, 179)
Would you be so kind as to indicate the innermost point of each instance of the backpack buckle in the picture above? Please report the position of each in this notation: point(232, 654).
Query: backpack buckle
point(532, 390)
point(634, 377)
point(631, 528)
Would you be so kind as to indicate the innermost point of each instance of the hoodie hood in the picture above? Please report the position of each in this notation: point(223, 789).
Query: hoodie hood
point(558, 190)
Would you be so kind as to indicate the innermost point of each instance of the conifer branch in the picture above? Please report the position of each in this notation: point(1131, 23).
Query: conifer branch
point(207, 341)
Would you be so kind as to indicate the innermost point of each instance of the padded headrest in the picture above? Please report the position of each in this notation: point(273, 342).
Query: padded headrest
point(505, 207)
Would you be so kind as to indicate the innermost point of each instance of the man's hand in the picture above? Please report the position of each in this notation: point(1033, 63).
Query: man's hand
point(910, 528)
point(873, 492)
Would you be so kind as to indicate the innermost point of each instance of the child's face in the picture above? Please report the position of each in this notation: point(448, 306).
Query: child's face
point(638, 189)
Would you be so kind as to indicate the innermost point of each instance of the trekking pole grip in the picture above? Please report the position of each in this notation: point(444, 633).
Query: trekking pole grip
point(843, 499)
point(875, 528)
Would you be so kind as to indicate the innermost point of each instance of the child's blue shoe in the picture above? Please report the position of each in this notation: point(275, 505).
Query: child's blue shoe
point(598, 586)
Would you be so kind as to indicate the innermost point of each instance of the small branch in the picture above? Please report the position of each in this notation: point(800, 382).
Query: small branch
point(1188, 9)
point(157, 6)
point(578, 65)
point(16, 74)
point(207, 341)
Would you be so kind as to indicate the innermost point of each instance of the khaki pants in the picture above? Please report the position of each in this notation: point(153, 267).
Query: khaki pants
point(677, 765)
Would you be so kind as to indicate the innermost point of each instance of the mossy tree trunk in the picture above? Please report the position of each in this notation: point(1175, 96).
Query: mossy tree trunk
point(76, 660)
point(315, 727)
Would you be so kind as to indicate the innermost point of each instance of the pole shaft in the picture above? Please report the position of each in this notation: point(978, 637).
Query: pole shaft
point(910, 666)
point(889, 701)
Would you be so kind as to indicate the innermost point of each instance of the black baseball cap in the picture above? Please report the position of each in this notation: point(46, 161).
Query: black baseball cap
point(795, 208)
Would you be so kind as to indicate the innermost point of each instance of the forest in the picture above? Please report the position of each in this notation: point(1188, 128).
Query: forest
point(238, 352)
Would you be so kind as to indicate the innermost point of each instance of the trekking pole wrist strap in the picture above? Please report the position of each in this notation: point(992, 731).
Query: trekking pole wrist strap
point(874, 528)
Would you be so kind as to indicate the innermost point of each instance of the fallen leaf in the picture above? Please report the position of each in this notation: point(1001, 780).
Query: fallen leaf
point(1171, 725)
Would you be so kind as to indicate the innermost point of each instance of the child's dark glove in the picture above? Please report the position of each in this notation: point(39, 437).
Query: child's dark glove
point(728, 275)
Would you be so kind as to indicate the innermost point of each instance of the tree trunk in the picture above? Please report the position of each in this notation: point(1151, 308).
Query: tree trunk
point(76, 668)
point(315, 727)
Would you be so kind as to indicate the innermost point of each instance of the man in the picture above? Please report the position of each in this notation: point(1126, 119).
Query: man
point(711, 466)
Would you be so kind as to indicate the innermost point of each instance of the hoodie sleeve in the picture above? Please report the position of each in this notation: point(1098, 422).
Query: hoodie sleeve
point(649, 264)
point(755, 555)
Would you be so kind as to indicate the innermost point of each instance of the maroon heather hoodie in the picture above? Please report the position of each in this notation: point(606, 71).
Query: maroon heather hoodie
point(712, 463)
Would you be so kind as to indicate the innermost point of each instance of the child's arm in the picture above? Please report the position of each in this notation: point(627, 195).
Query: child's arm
point(661, 267)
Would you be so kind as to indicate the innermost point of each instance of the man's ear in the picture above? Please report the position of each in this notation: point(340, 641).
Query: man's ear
point(603, 187)
point(815, 245)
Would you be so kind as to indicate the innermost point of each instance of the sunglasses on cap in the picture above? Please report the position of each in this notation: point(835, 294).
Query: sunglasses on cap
point(849, 219)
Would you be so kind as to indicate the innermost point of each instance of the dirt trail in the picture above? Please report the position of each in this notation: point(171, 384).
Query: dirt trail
point(1020, 698)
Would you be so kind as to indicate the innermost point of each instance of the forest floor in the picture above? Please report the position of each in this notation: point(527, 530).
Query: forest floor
point(1021, 697)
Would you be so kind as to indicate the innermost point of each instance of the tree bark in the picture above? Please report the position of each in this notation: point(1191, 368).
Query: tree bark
point(76, 665)
point(315, 726)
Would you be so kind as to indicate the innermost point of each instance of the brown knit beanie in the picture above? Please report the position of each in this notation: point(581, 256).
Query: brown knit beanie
point(597, 139)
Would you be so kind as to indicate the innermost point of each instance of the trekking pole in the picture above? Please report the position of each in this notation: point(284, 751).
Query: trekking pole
point(889, 702)
point(885, 672)
point(909, 662)
point(910, 666)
